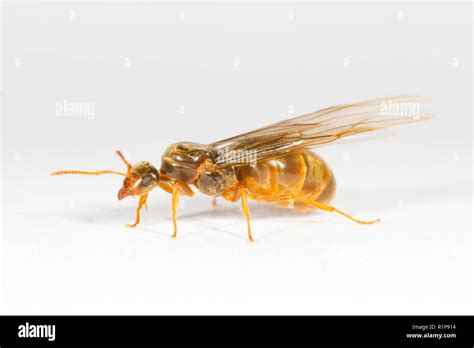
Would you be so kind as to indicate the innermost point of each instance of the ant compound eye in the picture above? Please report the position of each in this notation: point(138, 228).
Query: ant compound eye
point(146, 180)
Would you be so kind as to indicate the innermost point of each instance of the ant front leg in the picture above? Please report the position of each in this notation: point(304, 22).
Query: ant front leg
point(141, 203)
point(187, 191)
point(174, 208)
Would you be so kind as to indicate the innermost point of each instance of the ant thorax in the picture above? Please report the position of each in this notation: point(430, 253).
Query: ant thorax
point(194, 163)
point(182, 161)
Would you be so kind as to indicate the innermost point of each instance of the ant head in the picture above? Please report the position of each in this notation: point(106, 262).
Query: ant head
point(140, 178)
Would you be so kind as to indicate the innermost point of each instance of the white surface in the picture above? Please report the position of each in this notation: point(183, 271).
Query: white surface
point(65, 247)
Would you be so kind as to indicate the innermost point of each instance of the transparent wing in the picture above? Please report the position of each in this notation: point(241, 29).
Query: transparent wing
point(319, 128)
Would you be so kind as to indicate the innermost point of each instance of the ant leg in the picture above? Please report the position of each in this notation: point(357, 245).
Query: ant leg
point(174, 207)
point(178, 186)
point(141, 203)
point(245, 207)
point(214, 201)
point(166, 186)
point(174, 187)
point(167, 183)
point(185, 189)
point(315, 204)
point(326, 207)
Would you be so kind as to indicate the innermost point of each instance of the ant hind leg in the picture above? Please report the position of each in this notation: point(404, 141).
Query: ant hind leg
point(326, 207)
point(310, 202)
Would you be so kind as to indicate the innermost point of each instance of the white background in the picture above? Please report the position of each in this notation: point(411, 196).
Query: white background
point(232, 67)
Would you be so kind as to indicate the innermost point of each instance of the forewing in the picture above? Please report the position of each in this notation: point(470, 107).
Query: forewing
point(319, 128)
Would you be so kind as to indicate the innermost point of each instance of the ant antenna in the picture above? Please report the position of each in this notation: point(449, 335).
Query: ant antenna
point(99, 172)
point(129, 166)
